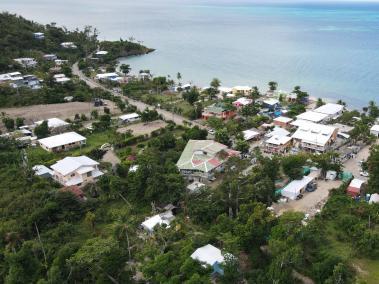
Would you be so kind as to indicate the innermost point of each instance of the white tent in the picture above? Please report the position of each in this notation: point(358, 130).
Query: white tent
point(294, 188)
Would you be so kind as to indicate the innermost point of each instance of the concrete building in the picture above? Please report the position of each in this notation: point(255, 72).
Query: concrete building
point(39, 36)
point(282, 121)
point(241, 102)
point(54, 124)
point(76, 171)
point(218, 110)
point(333, 111)
point(241, 90)
point(26, 62)
point(200, 159)
point(312, 116)
point(62, 142)
point(278, 144)
point(68, 45)
point(314, 137)
point(158, 220)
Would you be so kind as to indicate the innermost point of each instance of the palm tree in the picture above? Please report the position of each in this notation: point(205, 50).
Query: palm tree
point(273, 85)
point(215, 84)
point(255, 94)
point(296, 89)
point(179, 77)
point(125, 68)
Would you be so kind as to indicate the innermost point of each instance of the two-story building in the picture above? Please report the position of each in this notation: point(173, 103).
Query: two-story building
point(200, 159)
point(314, 137)
point(76, 171)
point(241, 90)
point(218, 110)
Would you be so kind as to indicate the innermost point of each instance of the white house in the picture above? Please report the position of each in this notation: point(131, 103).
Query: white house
point(164, 218)
point(250, 134)
point(277, 131)
point(277, 144)
point(224, 90)
point(243, 90)
point(60, 62)
point(241, 102)
point(130, 117)
point(68, 45)
point(313, 116)
point(108, 77)
point(296, 187)
point(62, 142)
point(76, 171)
point(54, 124)
point(208, 255)
point(333, 111)
point(282, 121)
point(50, 57)
point(195, 186)
point(313, 136)
point(39, 35)
point(101, 53)
point(61, 78)
point(42, 171)
point(26, 62)
point(375, 130)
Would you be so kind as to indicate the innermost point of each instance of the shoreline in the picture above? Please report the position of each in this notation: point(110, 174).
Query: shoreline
point(312, 99)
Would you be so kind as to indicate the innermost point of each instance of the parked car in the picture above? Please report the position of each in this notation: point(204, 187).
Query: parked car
point(311, 187)
point(364, 174)
point(211, 131)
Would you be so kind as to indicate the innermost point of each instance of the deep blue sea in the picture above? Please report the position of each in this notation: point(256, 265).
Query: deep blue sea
point(330, 49)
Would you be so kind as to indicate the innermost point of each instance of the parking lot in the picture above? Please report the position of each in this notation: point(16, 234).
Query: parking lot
point(314, 201)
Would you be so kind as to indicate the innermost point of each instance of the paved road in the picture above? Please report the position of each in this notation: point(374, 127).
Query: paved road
point(167, 115)
point(353, 166)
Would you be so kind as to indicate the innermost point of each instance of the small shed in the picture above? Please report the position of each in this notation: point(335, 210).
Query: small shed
point(42, 171)
point(355, 187)
point(195, 186)
point(159, 219)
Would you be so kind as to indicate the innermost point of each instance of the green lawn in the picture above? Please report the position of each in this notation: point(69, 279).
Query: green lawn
point(368, 270)
point(37, 155)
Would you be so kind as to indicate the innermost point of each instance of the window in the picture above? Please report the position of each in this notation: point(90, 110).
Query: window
point(73, 174)
point(89, 174)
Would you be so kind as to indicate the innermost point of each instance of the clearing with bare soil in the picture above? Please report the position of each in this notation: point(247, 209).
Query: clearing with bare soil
point(62, 111)
point(143, 128)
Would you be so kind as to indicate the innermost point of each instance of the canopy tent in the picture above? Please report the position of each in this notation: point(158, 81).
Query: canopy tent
point(295, 187)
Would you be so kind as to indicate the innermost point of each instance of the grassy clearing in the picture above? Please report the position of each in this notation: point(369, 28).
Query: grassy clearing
point(368, 270)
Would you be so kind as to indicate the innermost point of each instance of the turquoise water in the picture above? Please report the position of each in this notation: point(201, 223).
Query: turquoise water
point(331, 50)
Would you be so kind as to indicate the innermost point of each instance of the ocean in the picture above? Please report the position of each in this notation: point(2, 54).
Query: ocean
point(330, 49)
